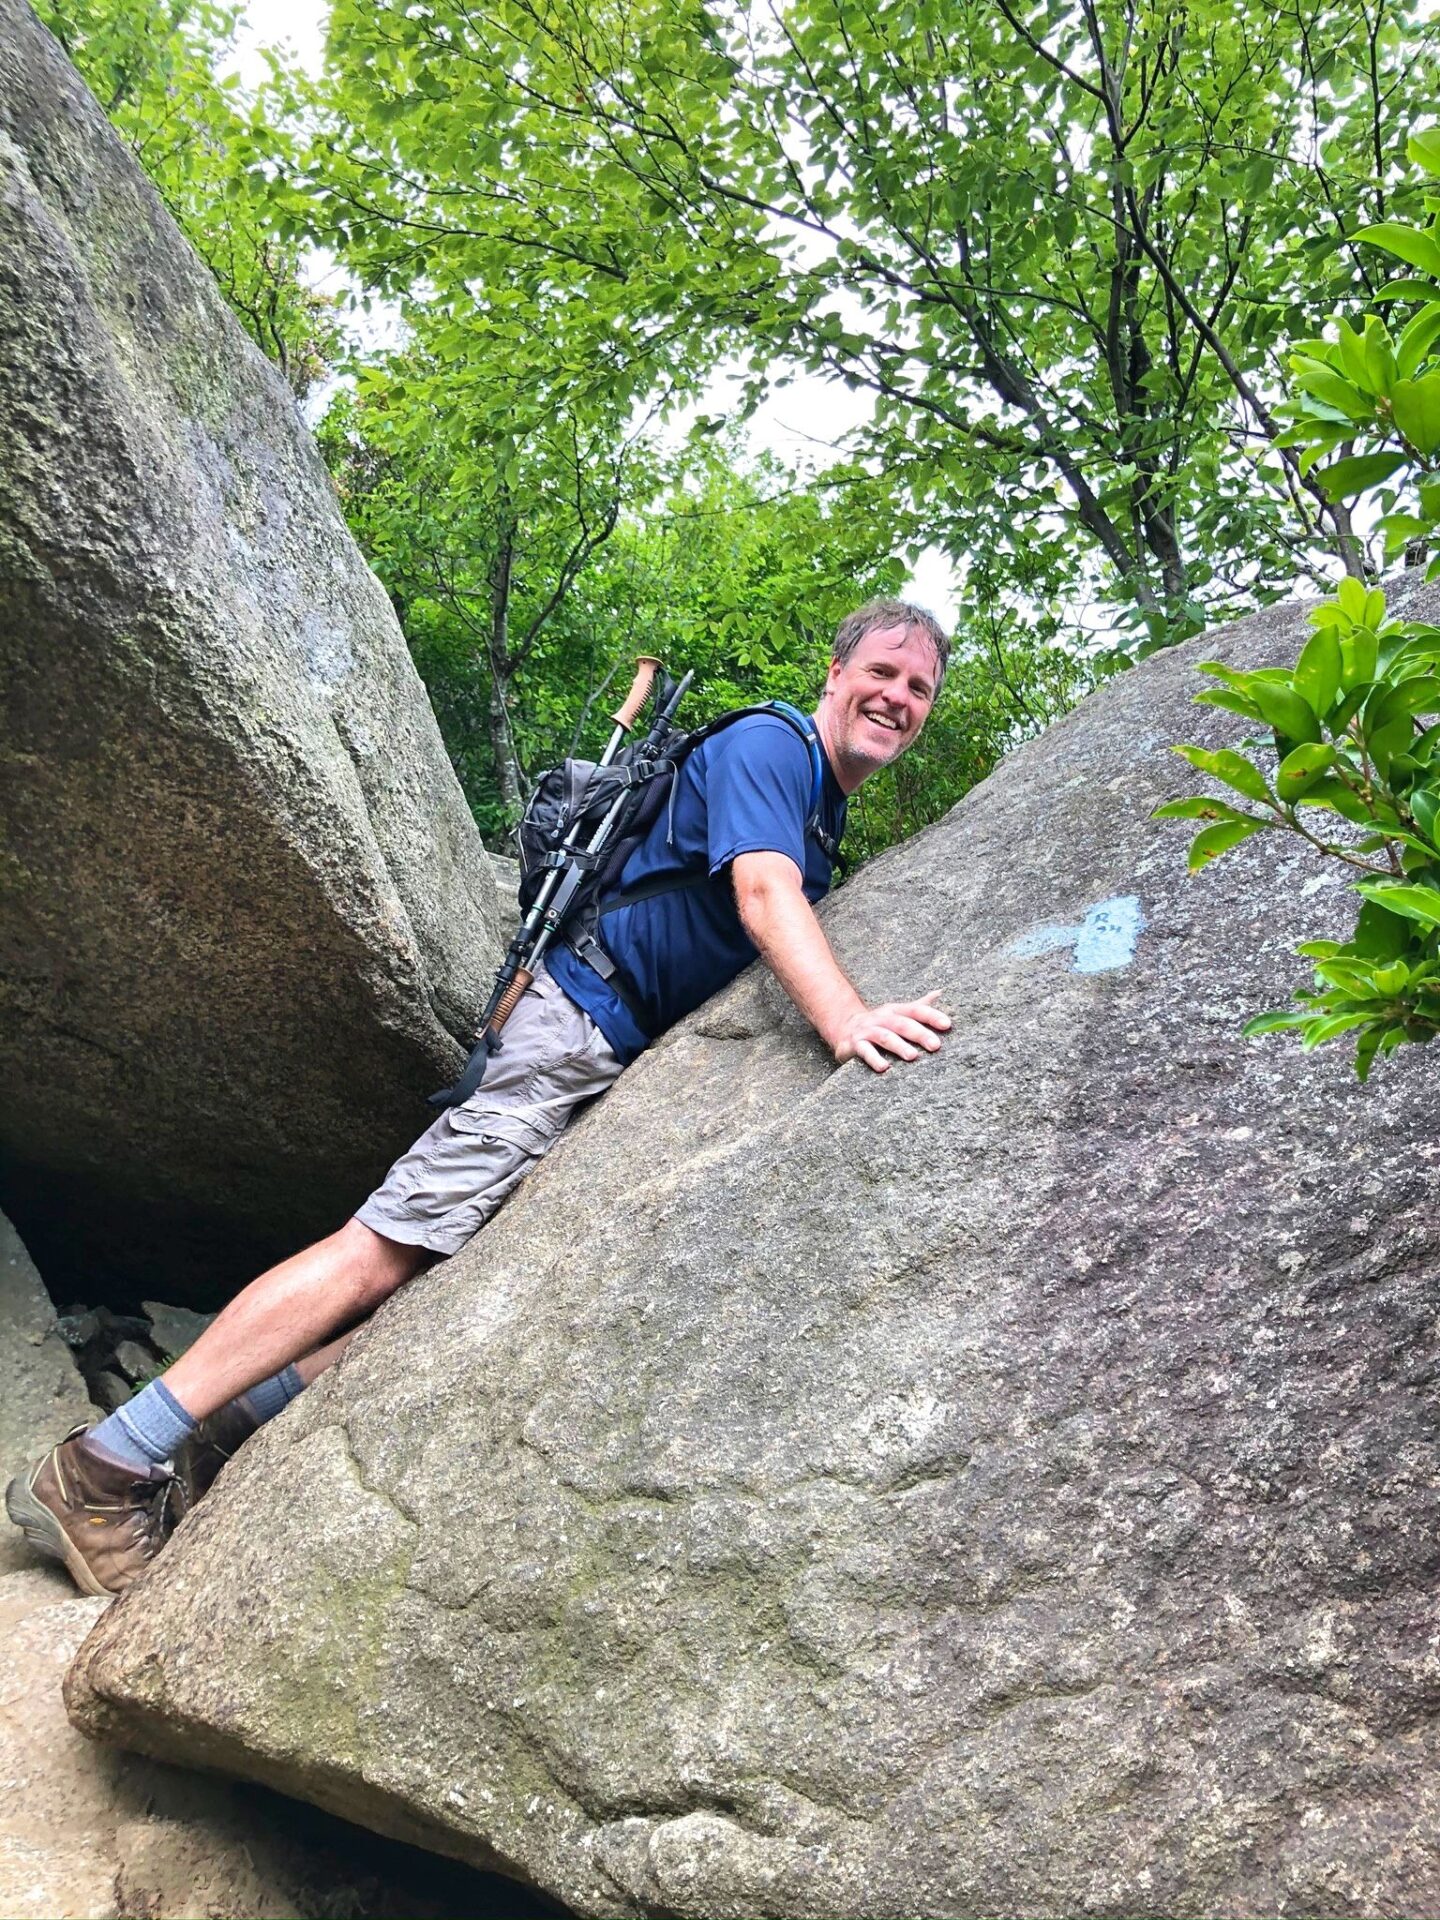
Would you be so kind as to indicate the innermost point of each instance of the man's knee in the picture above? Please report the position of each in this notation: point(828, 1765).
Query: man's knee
point(373, 1266)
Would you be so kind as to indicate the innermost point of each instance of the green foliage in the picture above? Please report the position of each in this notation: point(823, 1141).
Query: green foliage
point(1056, 244)
point(736, 572)
point(502, 469)
point(1352, 723)
point(483, 507)
point(224, 162)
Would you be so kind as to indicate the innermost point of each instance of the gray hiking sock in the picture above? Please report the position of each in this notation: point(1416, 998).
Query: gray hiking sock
point(272, 1396)
point(146, 1431)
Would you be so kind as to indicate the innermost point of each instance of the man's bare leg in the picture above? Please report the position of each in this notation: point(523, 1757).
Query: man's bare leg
point(289, 1315)
point(310, 1366)
point(257, 1404)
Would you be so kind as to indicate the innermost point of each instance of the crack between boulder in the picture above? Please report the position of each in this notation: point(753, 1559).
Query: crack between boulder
point(358, 1474)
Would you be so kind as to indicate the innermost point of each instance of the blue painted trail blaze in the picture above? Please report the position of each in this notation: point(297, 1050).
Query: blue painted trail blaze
point(1044, 940)
point(1105, 938)
point(1108, 934)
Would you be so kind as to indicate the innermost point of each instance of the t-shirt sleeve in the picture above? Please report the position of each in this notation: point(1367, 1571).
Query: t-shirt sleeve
point(757, 788)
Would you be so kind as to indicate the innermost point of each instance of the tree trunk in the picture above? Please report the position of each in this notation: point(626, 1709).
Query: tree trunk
point(508, 774)
point(502, 749)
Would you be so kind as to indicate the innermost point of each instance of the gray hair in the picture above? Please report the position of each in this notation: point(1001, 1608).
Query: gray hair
point(891, 613)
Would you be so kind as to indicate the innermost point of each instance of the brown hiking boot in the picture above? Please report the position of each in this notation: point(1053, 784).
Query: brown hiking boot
point(104, 1520)
point(215, 1441)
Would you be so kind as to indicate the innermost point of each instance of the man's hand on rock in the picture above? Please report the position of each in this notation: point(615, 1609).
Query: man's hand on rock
point(899, 1029)
point(781, 922)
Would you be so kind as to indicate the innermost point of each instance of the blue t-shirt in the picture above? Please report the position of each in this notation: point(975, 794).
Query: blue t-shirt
point(745, 790)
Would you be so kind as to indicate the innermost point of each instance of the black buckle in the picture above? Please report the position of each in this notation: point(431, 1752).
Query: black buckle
point(594, 955)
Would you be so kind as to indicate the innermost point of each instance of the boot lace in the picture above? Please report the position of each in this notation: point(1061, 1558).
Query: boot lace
point(158, 1511)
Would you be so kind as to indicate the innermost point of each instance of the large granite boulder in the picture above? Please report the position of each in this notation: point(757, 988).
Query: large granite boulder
point(1007, 1486)
point(246, 914)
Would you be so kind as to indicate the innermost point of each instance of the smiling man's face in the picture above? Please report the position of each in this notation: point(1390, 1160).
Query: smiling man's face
point(876, 702)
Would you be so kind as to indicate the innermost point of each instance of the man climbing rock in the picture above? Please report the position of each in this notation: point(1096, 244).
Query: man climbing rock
point(105, 1500)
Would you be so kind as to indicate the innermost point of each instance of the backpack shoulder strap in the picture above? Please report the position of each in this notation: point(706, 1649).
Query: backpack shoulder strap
point(681, 879)
point(804, 725)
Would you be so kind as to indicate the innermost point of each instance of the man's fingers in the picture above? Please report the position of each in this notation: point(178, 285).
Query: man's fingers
point(925, 1009)
point(901, 1029)
point(915, 1018)
point(922, 1036)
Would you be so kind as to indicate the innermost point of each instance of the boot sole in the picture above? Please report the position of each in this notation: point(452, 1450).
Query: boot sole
point(45, 1533)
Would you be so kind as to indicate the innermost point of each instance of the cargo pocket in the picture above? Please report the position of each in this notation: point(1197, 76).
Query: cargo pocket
point(533, 1132)
point(481, 1161)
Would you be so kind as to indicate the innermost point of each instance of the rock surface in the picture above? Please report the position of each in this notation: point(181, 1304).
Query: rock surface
point(42, 1395)
point(92, 1833)
point(89, 1831)
point(173, 1330)
point(1007, 1486)
point(245, 907)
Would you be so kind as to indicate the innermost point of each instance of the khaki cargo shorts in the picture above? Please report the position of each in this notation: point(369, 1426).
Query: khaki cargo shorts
point(454, 1177)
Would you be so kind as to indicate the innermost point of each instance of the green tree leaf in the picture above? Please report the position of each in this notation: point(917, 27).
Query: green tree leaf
point(1279, 1021)
point(1285, 711)
point(1359, 652)
point(1300, 769)
point(1415, 248)
point(1211, 842)
point(1317, 671)
point(1424, 804)
point(1344, 479)
point(1350, 595)
point(1418, 338)
point(1416, 406)
point(1223, 763)
point(1320, 1031)
point(1333, 390)
point(1411, 903)
point(1231, 701)
point(1380, 934)
point(1200, 806)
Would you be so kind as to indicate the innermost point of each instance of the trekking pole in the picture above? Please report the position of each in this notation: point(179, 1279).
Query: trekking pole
point(552, 917)
point(547, 911)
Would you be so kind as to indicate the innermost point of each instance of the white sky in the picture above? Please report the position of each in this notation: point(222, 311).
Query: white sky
point(800, 425)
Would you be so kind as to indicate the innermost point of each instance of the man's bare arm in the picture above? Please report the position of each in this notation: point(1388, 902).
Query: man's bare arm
point(781, 922)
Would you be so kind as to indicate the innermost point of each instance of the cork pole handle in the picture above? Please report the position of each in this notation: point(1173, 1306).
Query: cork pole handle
point(509, 1000)
point(646, 668)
